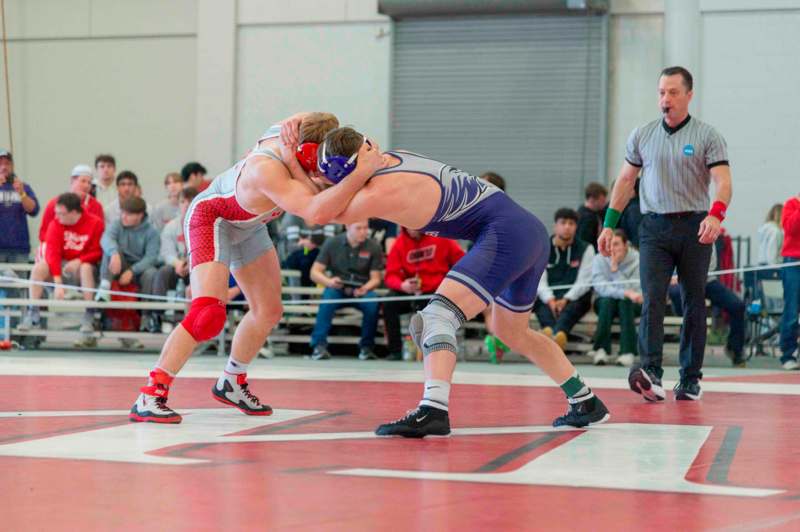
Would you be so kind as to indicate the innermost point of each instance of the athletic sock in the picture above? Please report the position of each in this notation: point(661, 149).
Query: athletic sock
point(158, 369)
point(575, 388)
point(436, 395)
point(234, 367)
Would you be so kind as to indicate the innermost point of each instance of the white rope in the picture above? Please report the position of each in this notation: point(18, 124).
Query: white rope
point(310, 302)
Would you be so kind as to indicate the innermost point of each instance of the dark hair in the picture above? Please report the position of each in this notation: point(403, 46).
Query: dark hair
point(192, 168)
point(134, 205)
point(188, 193)
point(594, 190)
point(688, 82)
point(105, 158)
point(70, 201)
point(344, 141)
point(621, 233)
point(565, 213)
point(127, 174)
point(495, 179)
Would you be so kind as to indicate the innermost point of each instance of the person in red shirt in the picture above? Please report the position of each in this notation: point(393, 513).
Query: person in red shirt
point(80, 184)
point(71, 254)
point(790, 220)
point(416, 264)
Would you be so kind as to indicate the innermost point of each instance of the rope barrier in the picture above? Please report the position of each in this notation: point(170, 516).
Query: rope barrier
point(315, 302)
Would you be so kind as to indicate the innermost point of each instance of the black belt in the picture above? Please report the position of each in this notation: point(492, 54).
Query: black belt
point(682, 214)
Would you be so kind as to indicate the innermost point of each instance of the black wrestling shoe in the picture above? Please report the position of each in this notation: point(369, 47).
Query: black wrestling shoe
point(645, 383)
point(583, 413)
point(687, 390)
point(418, 423)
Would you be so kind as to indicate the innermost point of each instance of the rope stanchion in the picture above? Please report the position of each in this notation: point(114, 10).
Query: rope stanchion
point(294, 303)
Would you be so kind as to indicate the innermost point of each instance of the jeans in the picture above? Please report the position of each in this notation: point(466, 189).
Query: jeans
point(13, 257)
point(319, 337)
point(392, 310)
point(791, 308)
point(607, 309)
point(572, 313)
point(723, 298)
point(667, 243)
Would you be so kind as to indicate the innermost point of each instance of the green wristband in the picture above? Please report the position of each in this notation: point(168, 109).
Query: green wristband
point(612, 218)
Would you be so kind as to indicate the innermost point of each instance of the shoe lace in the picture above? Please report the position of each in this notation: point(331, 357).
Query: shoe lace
point(247, 393)
point(161, 404)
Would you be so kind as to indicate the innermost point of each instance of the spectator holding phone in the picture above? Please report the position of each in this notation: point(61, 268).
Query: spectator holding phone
point(354, 263)
point(17, 202)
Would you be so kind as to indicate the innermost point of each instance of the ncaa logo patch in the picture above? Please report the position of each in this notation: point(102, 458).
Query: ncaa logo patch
point(688, 150)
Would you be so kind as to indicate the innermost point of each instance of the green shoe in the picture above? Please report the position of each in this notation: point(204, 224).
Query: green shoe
point(495, 347)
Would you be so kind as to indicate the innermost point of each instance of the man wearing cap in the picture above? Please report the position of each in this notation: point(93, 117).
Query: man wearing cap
point(17, 201)
point(677, 156)
point(81, 184)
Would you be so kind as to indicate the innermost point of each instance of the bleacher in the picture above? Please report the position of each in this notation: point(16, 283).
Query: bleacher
point(297, 313)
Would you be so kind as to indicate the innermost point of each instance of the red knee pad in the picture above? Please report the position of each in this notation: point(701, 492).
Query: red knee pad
point(205, 318)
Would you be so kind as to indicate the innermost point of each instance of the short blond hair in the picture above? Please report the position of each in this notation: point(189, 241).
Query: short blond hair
point(315, 126)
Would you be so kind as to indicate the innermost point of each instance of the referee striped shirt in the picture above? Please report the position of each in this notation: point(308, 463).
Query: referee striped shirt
point(676, 164)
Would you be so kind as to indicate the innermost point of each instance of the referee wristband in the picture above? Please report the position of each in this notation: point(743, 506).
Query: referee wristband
point(612, 218)
point(718, 210)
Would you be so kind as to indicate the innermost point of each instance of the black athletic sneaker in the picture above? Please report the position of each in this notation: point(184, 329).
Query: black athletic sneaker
point(688, 390)
point(583, 413)
point(644, 382)
point(418, 423)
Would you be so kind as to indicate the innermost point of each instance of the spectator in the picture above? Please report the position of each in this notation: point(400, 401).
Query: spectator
point(416, 264)
point(770, 237)
point(631, 217)
point(71, 254)
point(130, 253)
point(293, 227)
point(790, 220)
point(17, 201)
point(173, 256)
point(127, 184)
point(168, 209)
point(355, 263)
point(194, 175)
point(570, 267)
point(495, 179)
point(622, 300)
point(303, 259)
point(80, 183)
point(105, 167)
point(723, 298)
point(590, 214)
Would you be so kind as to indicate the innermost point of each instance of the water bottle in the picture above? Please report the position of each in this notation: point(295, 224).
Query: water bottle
point(180, 288)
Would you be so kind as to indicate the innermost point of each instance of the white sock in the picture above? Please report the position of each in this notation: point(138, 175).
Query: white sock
point(436, 394)
point(234, 367)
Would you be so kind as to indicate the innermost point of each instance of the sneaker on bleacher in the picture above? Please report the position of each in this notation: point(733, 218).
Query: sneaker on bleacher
point(626, 360)
point(366, 353)
point(103, 293)
point(791, 364)
point(87, 322)
point(320, 353)
point(599, 357)
point(31, 320)
point(131, 343)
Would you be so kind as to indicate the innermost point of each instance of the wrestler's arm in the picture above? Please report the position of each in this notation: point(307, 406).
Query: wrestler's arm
point(367, 203)
point(295, 197)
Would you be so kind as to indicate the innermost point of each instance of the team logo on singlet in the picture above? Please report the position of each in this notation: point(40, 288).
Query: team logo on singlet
point(462, 191)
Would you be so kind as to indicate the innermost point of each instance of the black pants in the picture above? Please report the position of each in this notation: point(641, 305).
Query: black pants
point(572, 313)
point(668, 243)
point(392, 310)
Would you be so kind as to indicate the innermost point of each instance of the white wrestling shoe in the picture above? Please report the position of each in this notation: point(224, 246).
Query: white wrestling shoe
point(232, 390)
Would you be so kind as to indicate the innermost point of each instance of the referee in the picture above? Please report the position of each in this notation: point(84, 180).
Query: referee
point(677, 156)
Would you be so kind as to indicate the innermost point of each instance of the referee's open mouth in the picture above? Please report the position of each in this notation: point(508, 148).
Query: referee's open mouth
point(666, 110)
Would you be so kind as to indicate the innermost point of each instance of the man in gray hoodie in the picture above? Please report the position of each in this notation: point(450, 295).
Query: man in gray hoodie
point(130, 249)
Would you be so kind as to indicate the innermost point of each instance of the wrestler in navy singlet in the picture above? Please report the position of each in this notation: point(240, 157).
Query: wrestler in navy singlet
point(511, 245)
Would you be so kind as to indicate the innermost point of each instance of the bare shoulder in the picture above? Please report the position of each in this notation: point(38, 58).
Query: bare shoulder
point(265, 172)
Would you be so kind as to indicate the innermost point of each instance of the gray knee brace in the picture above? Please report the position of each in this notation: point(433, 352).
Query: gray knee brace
point(434, 327)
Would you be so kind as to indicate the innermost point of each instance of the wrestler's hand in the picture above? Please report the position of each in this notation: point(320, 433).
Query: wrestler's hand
point(710, 229)
point(290, 131)
point(370, 159)
point(604, 241)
